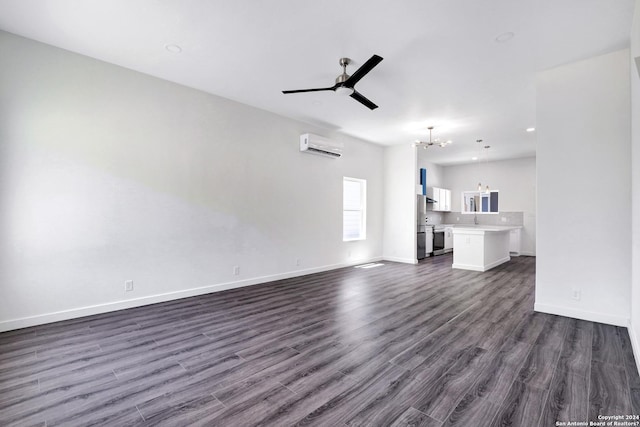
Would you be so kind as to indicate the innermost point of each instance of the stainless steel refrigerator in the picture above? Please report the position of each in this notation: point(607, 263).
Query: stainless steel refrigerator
point(424, 238)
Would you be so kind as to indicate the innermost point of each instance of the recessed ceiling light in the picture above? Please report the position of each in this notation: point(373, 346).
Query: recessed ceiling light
point(474, 158)
point(530, 129)
point(173, 48)
point(505, 37)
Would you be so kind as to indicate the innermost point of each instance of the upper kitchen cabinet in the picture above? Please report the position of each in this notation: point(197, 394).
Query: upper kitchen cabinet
point(441, 199)
point(480, 202)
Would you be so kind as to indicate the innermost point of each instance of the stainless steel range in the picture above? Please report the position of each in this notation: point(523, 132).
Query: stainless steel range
point(438, 240)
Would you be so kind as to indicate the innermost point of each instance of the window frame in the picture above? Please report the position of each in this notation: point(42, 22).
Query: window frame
point(362, 209)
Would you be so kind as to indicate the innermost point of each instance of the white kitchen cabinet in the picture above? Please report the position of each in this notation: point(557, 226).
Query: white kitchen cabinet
point(435, 195)
point(448, 239)
point(447, 200)
point(480, 248)
point(514, 242)
point(441, 197)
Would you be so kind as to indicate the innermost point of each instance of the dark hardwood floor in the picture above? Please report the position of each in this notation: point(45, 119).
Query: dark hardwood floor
point(396, 345)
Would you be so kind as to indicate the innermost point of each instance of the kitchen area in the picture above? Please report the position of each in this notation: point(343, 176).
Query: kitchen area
point(480, 236)
point(433, 237)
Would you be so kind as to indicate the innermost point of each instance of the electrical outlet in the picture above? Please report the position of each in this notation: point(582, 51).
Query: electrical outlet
point(128, 285)
point(503, 219)
point(349, 254)
point(298, 262)
point(575, 294)
point(236, 270)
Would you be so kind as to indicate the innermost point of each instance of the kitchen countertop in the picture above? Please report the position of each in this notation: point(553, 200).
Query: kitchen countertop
point(472, 228)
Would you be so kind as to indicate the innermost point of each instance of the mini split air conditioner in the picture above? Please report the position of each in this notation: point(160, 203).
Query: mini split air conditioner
point(315, 144)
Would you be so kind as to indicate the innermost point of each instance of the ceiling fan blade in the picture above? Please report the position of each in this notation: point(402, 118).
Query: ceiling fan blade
point(362, 71)
point(310, 90)
point(364, 101)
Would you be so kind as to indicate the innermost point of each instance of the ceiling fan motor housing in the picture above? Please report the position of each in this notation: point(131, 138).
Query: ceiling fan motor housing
point(344, 76)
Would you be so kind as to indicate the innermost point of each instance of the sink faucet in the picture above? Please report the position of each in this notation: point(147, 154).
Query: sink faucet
point(475, 219)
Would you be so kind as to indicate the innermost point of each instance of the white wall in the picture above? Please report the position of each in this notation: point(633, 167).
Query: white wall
point(515, 180)
point(635, 167)
point(434, 172)
point(400, 203)
point(107, 175)
point(584, 189)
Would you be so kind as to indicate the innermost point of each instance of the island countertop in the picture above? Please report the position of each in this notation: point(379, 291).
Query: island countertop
point(481, 229)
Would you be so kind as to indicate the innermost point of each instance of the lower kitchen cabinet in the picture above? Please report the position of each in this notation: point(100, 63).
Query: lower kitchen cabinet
point(514, 242)
point(448, 239)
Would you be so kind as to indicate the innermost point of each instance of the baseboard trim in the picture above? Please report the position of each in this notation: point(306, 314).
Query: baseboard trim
point(466, 267)
point(41, 319)
point(635, 346)
point(474, 267)
point(582, 314)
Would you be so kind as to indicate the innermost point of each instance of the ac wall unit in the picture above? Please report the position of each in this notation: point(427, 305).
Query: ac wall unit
point(314, 144)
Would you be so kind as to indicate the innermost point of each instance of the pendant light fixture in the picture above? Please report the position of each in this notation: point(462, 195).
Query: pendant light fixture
point(431, 142)
point(482, 150)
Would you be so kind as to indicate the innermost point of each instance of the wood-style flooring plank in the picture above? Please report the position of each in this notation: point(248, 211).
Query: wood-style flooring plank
point(522, 407)
point(609, 390)
point(496, 379)
point(167, 410)
point(472, 410)
point(539, 366)
point(568, 399)
point(553, 335)
point(442, 396)
point(315, 394)
point(631, 369)
point(606, 346)
point(366, 400)
point(575, 356)
point(414, 418)
point(529, 329)
point(99, 416)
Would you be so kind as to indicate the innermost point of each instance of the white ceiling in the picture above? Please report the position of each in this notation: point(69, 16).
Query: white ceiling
point(442, 65)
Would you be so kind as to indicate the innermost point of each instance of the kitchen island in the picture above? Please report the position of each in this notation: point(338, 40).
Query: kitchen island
point(481, 247)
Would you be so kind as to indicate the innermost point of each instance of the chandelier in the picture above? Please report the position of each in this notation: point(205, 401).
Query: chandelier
point(431, 142)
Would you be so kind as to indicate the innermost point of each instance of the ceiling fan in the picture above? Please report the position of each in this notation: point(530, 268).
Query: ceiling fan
point(345, 83)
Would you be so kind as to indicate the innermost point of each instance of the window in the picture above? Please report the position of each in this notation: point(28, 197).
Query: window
point(354, 207)
point(476, 202)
